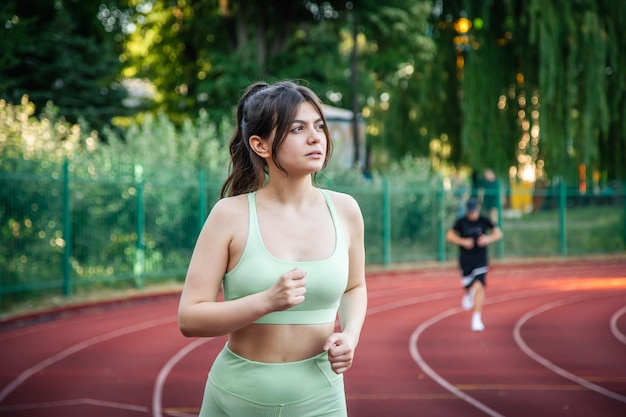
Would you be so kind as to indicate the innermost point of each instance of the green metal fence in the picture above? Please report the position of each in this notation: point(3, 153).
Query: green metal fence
point(62, 233)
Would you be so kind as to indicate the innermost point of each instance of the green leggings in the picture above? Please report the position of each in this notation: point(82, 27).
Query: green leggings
point(238, 387)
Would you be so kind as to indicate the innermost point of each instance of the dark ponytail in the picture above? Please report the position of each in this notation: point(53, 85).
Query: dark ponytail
point(248, 169)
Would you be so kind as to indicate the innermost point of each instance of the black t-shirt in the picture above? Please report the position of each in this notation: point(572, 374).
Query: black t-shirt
point(477, 256)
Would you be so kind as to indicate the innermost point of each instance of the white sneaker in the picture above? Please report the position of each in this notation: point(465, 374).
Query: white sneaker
point(468, 300)
point(477, 323)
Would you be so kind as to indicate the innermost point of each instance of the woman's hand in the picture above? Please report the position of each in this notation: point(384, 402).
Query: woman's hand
point(340, 347)
point(288, 291)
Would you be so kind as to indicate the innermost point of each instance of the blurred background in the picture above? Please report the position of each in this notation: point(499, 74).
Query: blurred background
point(115, 118)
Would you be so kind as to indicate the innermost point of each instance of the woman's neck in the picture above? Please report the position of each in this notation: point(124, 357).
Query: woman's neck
point(290, 191)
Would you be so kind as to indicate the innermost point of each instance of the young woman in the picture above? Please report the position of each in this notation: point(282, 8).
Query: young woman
point(290, 259)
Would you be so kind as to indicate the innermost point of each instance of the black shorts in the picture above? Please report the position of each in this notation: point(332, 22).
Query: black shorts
point(477, 274)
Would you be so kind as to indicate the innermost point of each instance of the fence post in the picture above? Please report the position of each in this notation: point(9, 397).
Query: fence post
point(441, 240)
point(499, 199)
point(562, 214)
point(624, 205)
point(202, 199)
point(140, 255)
point(386, 223)
point(67, 231)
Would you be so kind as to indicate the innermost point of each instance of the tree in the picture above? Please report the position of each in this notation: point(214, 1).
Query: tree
point(63, 56)
point(396, 54)
point(581, 83)
point(202, 54)
point(524, 83)
point(541, 83)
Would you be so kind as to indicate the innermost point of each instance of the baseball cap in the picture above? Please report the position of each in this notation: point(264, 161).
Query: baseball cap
point(471, 205)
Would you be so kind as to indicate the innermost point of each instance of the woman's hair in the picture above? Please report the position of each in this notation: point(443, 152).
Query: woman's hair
point(261, 109)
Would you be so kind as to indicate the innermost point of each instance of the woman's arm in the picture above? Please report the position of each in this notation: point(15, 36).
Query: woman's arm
point(199, 311)
point(353, 304)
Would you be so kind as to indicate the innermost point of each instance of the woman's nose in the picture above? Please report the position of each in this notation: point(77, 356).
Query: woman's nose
point(315, 135)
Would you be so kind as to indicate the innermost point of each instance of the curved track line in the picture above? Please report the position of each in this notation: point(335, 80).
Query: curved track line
point(76, 348)
point(552, 367)
point(614, 329)
point(409, 301)
point(57, 318)
point(157, 406)
point(417, 358)
point(81, 401)
point(157, 395)
point(434, 375)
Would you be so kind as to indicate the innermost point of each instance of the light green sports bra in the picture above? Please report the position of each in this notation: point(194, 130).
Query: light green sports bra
point(258, 270)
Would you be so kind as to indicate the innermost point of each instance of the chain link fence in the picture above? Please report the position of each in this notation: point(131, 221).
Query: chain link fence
point(63, 231)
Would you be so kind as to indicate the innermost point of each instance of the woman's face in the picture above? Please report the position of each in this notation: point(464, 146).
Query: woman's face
point(304, 148)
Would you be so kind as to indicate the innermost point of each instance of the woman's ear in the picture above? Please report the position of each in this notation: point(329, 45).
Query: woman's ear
point(260, 146)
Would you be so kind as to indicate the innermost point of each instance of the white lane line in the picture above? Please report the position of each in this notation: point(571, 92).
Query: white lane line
point(434, 375)
point(157, 397)
point(56, 319)
point(543, 361)
point(411, 301)
point(417, 358)
point(78, 347)
point(157, 394)
point(81, 401)
point(614, 329)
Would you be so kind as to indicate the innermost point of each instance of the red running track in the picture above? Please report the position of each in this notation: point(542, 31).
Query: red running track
point(554, 345)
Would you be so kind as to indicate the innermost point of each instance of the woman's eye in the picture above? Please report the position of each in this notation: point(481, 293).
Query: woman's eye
point(320, 126)
point(297, 129)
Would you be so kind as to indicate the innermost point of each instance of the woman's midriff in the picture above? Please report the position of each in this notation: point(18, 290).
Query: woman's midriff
point(278, 343)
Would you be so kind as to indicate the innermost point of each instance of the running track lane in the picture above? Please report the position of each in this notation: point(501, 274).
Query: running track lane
point(554, 344)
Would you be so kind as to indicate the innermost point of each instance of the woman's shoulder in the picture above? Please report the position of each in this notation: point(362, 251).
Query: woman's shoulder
point(344, 202)
point(228, 207)
point(340, 196)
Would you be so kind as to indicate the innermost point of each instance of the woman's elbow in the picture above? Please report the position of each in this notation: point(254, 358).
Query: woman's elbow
point(191, 326)
point(186, 322)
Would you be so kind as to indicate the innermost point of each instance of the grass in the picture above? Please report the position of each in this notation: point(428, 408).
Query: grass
point(587, 230)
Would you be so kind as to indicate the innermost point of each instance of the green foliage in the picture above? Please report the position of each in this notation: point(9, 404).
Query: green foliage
point(149, 177)
point(562, 53)
point(161, 164)
point(203, 54)
point(37, 144)
point(412, 195)
point(57, 52)
point(559, 59)
point(32, 149)
point(572, 47)
point(394, 50)
point(161, 151)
